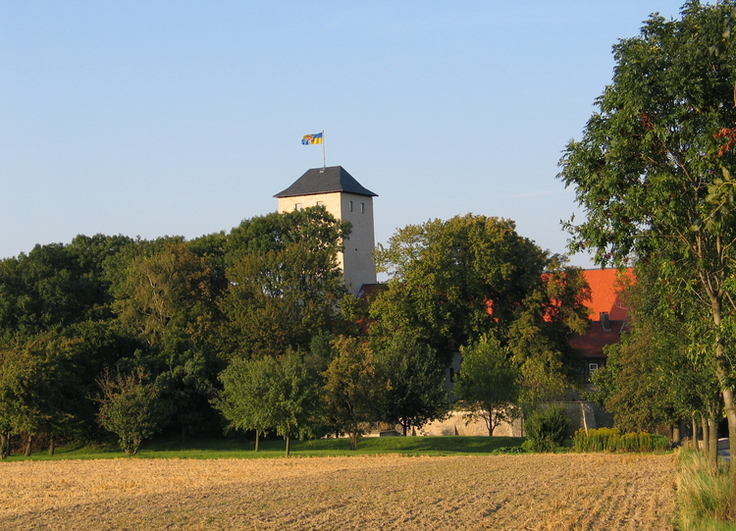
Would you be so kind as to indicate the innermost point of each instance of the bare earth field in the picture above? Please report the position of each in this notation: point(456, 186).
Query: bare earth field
point(527, 492)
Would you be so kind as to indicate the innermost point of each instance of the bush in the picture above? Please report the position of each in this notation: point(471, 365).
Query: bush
point(546, 429)
point(611, 440)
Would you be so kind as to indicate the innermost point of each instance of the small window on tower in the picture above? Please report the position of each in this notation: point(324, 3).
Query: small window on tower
point(362, 208)
point(350, 206)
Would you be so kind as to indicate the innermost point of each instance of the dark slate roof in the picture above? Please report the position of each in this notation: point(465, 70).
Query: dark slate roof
point(325, 180)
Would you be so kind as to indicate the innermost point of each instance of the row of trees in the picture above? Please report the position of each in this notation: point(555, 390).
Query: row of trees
point(254, 329)
point(403, 384)
point(653, 172)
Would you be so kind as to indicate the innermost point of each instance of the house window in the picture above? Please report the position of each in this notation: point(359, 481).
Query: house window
point(297, 206)
point(592, 367)
point(362, 208)
point(320, 203)
point(350, 206)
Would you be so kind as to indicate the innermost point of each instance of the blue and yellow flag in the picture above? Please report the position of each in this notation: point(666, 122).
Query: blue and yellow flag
point(309, 140)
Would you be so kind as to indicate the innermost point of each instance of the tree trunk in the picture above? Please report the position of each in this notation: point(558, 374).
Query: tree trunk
point(713, 442)
point(5, 444)
point(354, 440)
point(287, 440)
point(29, 443)
point(52, 444)
point(722, 373)
point(258, 441)
point(731, 416)
point(694, 433)
point(676, 435)
point(706, 436)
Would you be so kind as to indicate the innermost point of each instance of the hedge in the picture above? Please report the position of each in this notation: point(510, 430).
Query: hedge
point(612, 440)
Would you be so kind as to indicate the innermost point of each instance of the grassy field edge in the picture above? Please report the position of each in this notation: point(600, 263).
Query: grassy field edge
point(224, 449)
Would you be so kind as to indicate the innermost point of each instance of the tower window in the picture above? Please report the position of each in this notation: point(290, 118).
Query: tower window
point(350, 206)
point(362, 208)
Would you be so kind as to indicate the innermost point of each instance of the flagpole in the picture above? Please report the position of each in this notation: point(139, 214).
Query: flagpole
point(324, 158)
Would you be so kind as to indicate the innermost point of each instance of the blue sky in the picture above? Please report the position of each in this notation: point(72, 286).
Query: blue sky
point(183, 118)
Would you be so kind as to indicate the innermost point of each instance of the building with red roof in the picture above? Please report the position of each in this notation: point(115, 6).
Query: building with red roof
point(608, 315)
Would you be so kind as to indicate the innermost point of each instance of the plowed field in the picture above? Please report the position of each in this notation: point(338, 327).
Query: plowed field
point(525, 492)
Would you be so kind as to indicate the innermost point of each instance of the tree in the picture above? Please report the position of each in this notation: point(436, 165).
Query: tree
point(295, 397)
point(246, 385)
point(651, 377)
point(38, 389)
point(538, 339)
point(313, 226)
point(267, 393)
point(455, 281)
point(56, 285)
point(20, 399)
point(131, 408)
point(285, 284)
point(167, 297)
point(167, 294)
point(488, 383)
point(415, 380)
point(352, 388)
point(651, 176)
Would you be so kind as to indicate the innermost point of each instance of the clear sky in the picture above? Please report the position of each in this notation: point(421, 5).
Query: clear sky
point(183, 118)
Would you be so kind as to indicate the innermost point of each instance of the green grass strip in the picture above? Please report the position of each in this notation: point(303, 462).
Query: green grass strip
point(228, 449)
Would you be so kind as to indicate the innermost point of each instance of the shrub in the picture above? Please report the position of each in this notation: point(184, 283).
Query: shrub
point(546, 429)
point(611, 440)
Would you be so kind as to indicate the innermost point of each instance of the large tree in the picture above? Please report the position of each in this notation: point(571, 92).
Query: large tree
point(651, 176)
point(57, 285)
point(454, 281)
point(167, 297)
point(285, 284)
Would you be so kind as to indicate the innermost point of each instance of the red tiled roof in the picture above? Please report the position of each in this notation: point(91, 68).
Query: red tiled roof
point(604, 287)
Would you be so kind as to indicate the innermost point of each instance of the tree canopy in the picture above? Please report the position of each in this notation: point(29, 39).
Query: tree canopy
point(455, 281)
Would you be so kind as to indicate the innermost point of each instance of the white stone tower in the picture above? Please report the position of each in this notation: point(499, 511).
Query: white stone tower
point(347, 200)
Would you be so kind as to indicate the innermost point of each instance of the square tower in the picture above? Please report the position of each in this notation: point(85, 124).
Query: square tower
point(347, 200)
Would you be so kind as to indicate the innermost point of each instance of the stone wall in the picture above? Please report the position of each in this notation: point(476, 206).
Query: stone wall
point(456, 424)
point(581, 414)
